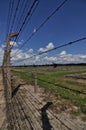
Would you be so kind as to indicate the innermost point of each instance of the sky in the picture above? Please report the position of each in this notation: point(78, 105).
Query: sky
point(67, 24)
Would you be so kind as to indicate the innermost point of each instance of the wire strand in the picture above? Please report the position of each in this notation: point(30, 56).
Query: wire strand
point(55, 48)
point(15, 15)
point(41, 25)
point(29, 14)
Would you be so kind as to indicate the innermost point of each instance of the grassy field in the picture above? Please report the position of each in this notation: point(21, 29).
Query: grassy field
point(55, 80)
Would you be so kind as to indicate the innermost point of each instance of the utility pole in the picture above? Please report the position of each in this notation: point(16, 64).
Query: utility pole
point(6, 67)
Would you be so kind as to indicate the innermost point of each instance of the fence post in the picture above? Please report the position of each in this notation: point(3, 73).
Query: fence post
point(36, 83)
point(6, 67)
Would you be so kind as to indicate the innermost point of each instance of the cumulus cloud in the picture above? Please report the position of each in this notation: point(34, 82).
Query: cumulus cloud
point(13, 43)
point(72, 58)
point(62, 58)
point(63, 53)
point(30, 51)
point(83, 56)
point(50, 59)
point(36, 59)
point(48, 47)
point(18, 55)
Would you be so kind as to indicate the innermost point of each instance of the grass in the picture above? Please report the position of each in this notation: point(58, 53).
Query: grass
point(54, 80)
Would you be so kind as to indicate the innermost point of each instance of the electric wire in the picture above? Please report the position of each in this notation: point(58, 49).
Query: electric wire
point(41, 25)
point(8, 18)
point(11, 17)
point(29, 14)
point(63, 87)
point(14, 18)
point(23, 6)
point(15, 15)
point(55, 48)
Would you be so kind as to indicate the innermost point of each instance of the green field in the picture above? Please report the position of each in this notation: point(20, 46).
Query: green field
point(55, 80)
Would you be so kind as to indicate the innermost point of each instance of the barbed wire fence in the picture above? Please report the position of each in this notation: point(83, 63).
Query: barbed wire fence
point(6, 60)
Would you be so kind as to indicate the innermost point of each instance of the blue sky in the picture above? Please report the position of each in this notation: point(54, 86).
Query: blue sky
point(68, 24)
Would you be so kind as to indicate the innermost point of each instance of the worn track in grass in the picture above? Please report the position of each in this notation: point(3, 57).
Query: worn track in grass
point(30, 112)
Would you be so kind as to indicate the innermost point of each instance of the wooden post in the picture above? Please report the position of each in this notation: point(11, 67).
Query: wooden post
point(6, 66)
point(36, 85)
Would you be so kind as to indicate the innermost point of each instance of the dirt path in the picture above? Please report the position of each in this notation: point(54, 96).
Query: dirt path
point(31, 112)
point(2, 104)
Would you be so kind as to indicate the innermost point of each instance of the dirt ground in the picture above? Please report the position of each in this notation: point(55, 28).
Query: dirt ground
point(35, 111)
point(40, 111)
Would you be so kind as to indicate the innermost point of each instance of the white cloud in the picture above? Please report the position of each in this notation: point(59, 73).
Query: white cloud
point(48, 47)
point(30, 51)
point(20, 55)
point(41, 50)
point(13, 43)
point(36, 59)
point(63, 53)
point(62, 57)
point(50, 59)
point(83, 56)
point(72, 58)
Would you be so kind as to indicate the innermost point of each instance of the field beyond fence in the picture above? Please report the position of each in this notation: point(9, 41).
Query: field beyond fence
point(65, 82)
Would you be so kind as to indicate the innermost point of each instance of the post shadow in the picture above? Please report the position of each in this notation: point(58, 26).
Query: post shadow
point(45, 120)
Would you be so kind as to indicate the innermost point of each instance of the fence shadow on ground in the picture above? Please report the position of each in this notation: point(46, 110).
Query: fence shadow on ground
point(16, 90)
point(45, 120)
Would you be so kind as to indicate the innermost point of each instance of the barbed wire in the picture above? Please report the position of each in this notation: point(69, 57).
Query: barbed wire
point(23, 6)
point(29, 14)
point(16, 10)
point(11, 4)
point(40, 26)
point(55, 48)
point(35, 73)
